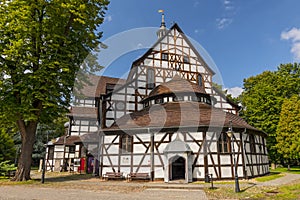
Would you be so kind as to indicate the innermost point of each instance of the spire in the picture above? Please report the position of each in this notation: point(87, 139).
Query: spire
point(163, 24)
point(162, 30)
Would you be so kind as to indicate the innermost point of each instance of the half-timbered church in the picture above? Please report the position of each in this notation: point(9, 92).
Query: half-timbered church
point(166, 119)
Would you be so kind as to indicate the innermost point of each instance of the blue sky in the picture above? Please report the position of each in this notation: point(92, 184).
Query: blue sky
point(243, 37)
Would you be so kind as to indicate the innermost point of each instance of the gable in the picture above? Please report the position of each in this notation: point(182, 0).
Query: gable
point(177, 45)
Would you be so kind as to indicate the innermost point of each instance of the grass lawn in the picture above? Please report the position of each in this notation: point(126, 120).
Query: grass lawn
point(293, 170)
point(287, 192)
point(269, 177)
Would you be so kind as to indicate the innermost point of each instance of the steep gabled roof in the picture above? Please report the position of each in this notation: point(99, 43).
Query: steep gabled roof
point(175, 26)
point(96, 85)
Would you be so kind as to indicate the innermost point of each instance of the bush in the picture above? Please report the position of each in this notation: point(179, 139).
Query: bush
point(6, 167)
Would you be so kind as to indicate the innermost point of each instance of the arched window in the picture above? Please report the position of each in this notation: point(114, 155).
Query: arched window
point(200, 80)
point(150, 79)
point(223, 143)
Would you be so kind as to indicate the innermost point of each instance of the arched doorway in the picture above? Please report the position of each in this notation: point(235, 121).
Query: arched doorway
point(177, 168)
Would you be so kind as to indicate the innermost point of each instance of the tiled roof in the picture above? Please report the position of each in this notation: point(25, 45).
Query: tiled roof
point(67, 140)
point(96, 85)
point(83, 112)
point(179, 114)
point(176, 85)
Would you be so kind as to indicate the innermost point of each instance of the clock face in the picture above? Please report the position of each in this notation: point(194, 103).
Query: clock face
point(120, 105)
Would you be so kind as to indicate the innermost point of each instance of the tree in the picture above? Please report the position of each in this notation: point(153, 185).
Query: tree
point(288, 130)
point(43, 44)
point(7, 150)
point(263, 97)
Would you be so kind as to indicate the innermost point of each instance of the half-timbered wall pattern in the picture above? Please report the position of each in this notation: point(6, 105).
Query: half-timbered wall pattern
point(205, 156)
point(172, 56)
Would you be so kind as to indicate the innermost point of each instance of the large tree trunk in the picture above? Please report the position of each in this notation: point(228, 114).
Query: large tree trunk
point(28, 139)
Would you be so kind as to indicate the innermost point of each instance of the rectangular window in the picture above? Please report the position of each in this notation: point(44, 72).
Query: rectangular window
point(72, 149)
point(223, 143)
point(252, 143)
point(150, 78)
point(186, 59)
point(126, 143)
point(165, 56)
point(158, 101)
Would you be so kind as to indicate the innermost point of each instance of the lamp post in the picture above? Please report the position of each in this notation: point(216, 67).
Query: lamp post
point(236, 178)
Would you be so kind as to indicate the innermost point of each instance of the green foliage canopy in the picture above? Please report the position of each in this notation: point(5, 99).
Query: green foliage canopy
point(7, 149)
point(43, 44)
point(263, 97)
point(288, 130)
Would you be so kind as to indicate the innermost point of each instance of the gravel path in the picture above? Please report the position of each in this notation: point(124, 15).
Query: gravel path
point(93, 188)
point(288, 178)
point(40, 193)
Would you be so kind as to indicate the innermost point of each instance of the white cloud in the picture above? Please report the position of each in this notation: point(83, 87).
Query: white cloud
point(235, 91)
point(223, 22)
point(229, 11)
point(294, 36)
point(196, 4)
point(296, 50)
point(226, 2)
point(228, 5)
point(108, 18)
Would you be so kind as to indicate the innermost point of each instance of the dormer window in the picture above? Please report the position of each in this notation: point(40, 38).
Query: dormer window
point(164, 56)
point(195, 98)
point(158, 101)
point(178, 98)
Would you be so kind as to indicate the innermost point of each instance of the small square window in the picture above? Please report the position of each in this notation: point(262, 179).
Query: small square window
point(186, 59)
point(178, 98)
point(158, 101)
point(165, 56)
point(72, 149)
point(195, 98)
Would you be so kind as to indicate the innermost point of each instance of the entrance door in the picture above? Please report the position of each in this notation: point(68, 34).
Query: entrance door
point(178, 168)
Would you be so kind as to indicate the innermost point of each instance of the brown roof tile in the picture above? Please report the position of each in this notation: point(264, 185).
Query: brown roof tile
point(176, 85)
point(67, 140)
point(96, 85)
point(177, 114)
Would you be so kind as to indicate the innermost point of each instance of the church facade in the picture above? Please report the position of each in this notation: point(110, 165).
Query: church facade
point(166, 119)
